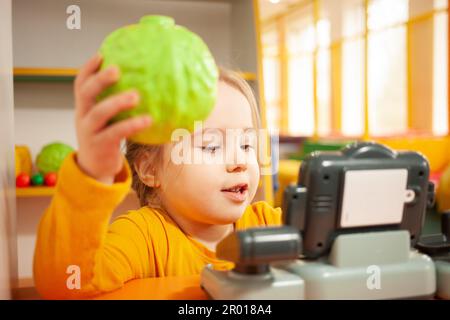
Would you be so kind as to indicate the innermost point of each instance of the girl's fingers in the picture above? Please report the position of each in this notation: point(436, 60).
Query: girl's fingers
point(89, 68)
point(94, 85)
point(124, 129)
point(101, 113)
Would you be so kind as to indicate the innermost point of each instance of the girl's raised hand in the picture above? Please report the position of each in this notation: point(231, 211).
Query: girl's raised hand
point(99, 153)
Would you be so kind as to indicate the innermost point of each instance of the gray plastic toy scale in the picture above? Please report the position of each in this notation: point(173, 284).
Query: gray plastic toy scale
point(377, 265)
point(438, 248)
point(253, 278)
point(359, 212)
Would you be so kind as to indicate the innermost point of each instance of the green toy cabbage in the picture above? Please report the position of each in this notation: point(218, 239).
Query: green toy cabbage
point(171, 67)
point(51, 157)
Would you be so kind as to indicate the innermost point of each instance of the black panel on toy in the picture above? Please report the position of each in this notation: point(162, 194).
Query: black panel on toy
point(332, 196)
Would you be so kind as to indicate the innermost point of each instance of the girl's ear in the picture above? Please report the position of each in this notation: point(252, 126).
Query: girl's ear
point(145, 171)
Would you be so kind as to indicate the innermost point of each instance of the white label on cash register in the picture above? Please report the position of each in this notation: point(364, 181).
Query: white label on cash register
point(373, 197)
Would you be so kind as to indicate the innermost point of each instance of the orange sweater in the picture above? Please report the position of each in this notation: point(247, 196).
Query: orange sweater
point(75, 231)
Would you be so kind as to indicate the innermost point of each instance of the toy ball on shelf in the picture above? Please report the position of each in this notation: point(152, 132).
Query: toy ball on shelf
point(171, 68)
point(37, 179)
point(22, 180)
point(51, 157)
point(50, 179)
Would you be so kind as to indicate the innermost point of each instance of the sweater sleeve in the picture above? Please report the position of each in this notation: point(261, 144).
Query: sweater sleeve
point(77, 254)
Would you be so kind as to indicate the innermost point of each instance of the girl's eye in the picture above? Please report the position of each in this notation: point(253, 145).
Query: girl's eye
point(246, 147)
point(211, 149)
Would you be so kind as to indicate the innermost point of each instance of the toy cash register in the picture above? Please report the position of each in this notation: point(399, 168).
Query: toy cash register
point(359, 213)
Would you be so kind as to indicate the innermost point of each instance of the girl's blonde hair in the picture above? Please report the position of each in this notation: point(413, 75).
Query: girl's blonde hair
point(149, 196)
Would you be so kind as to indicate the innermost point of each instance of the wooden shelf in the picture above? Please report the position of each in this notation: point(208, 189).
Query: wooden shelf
point(68, 74)
point(25, 290)
point(45, 74)
point(33, 192)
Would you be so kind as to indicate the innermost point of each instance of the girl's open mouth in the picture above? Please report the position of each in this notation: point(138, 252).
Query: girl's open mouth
point(237, 193)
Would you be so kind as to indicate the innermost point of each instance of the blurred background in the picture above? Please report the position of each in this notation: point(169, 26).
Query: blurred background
point(340, 71)
point(356, 68)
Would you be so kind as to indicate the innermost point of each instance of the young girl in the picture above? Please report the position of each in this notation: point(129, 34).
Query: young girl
point(186, 209)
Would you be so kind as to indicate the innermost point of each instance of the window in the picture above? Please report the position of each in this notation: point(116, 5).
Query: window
point(357, 68)
point(387, 67)
point(300, 39)
point(271, 69)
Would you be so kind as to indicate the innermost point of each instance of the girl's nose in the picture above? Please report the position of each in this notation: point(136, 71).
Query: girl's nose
point(237, 161)
point(236, 167)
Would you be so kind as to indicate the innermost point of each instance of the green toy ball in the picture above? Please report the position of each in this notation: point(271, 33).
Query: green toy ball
point(37, 179)
point(172, 69)
point(51, 157)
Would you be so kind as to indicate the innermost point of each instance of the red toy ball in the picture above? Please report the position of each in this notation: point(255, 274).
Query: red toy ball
point(50, 179)
point(22, 180)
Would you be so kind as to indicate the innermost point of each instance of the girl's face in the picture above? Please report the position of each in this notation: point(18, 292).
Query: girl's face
point(222, 175)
